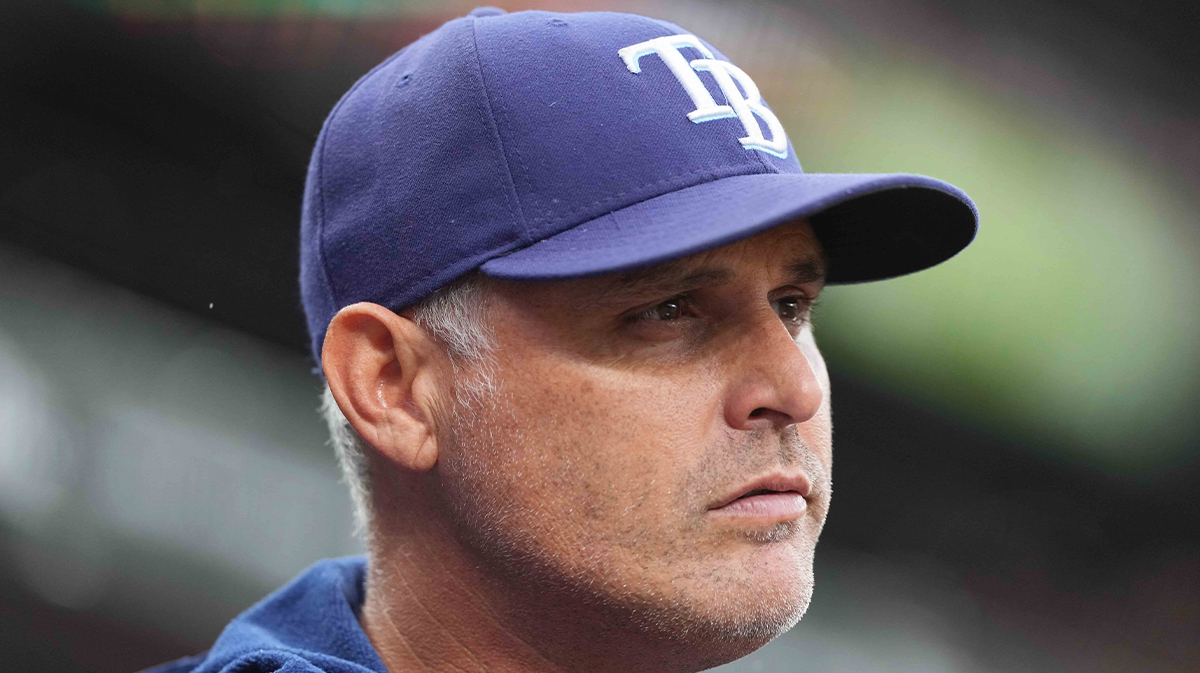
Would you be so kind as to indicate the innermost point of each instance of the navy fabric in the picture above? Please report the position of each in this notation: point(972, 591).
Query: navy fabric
point(483, 142)
point(584, 135)
point(698, 218)
point(308, 626)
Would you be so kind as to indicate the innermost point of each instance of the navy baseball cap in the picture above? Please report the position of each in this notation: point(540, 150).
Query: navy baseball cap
point(540, 146)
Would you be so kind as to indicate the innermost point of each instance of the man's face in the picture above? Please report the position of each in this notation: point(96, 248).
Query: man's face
point(659, 444)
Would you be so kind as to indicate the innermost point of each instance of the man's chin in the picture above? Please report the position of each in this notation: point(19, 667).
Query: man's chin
point(737, 628)
point(723, 614)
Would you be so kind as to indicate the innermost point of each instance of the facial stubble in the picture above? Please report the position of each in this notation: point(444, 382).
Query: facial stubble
point(602, 588)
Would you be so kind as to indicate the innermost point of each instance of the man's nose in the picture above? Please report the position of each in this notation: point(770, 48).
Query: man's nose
point(771, 380)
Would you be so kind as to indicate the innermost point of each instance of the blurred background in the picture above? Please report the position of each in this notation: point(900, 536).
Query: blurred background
point(1018, 430)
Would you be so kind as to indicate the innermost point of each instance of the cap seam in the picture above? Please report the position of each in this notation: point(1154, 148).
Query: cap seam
point(320, 228)
point(321, 171)
point(459, 269)
point(510, 193)
point(540, 219)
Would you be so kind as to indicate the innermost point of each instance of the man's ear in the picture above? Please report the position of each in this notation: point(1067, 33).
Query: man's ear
point(383, 369)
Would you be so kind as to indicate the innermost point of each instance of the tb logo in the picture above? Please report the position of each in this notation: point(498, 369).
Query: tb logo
point(744, 106)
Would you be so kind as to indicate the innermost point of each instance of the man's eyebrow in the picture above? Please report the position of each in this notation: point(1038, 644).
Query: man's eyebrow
point(673, 278)
point(808, 269)
point(665, 280)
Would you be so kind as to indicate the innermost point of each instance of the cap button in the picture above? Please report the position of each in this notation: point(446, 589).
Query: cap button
point(480, 12)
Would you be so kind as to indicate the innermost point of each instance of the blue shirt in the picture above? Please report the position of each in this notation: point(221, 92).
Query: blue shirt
point(308, 626)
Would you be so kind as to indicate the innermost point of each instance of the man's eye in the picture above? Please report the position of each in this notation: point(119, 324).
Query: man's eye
point(669, 310)
point(792, 310)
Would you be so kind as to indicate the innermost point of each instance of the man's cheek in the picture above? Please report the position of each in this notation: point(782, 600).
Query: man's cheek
point(808, 346)
point(604, 444)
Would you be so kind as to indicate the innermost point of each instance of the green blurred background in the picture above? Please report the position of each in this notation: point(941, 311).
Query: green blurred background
point(1018, 447)
point(1070, 322)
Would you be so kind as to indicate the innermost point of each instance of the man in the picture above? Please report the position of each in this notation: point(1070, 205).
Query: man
point(558, 272)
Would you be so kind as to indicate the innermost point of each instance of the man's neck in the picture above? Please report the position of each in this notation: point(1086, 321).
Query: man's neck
point(428, 609)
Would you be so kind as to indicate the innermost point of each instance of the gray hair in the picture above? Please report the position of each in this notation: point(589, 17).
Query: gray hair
point(455, 316)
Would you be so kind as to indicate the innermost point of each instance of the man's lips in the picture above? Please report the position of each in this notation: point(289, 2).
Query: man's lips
point(777, 497)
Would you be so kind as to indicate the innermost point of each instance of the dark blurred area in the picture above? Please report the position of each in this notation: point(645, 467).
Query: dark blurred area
point(154, 370)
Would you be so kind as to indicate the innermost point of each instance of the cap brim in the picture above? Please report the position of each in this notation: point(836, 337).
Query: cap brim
point(871, 226)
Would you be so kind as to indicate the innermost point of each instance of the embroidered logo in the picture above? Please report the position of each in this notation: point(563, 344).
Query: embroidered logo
point(744, 103)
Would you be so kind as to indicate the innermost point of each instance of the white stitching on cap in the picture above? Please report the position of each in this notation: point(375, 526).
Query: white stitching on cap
point(744, 103)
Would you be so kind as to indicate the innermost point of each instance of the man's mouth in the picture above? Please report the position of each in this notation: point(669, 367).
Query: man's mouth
point(772, 499)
